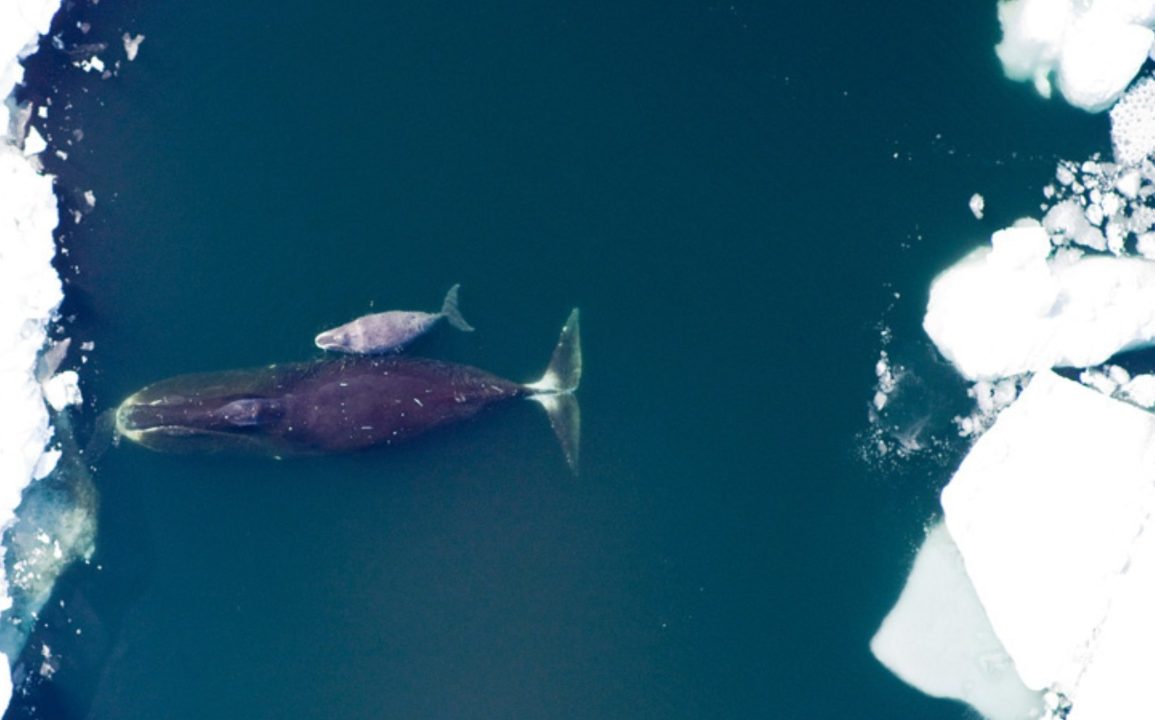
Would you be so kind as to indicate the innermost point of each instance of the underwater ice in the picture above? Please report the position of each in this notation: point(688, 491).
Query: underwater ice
point(938, 628)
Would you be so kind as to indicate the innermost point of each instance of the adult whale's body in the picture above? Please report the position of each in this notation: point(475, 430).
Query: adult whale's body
point(340, 405)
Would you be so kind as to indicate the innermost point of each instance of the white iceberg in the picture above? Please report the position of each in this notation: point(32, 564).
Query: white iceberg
point(1095, 48)
point(1051, 511)
point(1018, 307)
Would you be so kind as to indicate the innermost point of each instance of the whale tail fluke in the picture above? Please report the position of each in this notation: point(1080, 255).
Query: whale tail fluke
point(451, 313)
point(555, 390)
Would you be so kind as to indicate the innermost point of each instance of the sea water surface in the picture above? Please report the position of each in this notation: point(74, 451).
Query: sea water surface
point(743, 199)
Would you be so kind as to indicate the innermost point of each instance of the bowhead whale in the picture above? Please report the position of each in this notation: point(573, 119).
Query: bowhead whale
point(390, 331)
point(340, 405)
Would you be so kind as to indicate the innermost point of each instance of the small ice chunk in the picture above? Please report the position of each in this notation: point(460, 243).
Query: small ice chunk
point(46, 464)
point(1145, 245)
point(62, 390)
point(34, 144)
point(1094, 213)
point(90, 198)
point(938, 639)
point(1067, 221)
point(1118, 374)
point(1111, 204)
point(1140, 390)
point(132, 45)
point(1065, 175)
point(887, 380)
point(51, 358)
point(1099, 380)
point(976, 205)
point(92, 63)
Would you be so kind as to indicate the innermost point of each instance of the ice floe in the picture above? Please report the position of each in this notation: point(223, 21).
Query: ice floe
point(1019, 306)
point(1051, 510)
point(29, 287)
point(977, 204)
point(1093, 48)
point(937, 630)
point(132, 45)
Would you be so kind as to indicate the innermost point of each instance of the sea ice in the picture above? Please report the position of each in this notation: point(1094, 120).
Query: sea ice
point(1100, 56)
point(30, 290)
point(1051, 511)
point(1016, 307)
point(62, 390)
point(1140, 390)
point(976, 204)
point(132, 45)
point(1133, 124)
point(938, 638)
point(1095, 46)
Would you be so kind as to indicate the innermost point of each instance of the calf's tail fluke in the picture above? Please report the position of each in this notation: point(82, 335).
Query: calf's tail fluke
point(555, 390)
point(451, 313)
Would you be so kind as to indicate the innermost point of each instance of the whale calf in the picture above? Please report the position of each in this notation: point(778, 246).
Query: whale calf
point(342, 404)
point(390, 331)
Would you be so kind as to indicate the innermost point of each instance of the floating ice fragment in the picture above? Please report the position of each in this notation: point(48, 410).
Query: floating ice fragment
point(887, 380)
point(976, 205)
point(34, 143)
point(46, 464)
point(132, 45)
point(62, 390)
point(990, 398)
point(1128, 183)
point(1140, 390)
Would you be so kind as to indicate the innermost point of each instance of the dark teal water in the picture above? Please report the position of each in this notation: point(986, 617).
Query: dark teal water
point(730, 192)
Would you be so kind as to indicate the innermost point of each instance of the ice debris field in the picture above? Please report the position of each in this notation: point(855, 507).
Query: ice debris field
point(45, 493)
point(1032, 597)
